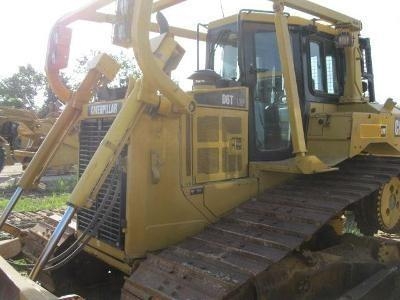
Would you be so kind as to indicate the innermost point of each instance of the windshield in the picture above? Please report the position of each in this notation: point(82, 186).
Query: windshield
point(270, 105)
point(223, 52)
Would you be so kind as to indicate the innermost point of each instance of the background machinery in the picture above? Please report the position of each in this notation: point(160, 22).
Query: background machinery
point(22, 132)
point(237, 188)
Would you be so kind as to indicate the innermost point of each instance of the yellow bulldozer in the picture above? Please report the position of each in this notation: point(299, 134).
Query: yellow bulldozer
point(238, 188)
point(22, 132)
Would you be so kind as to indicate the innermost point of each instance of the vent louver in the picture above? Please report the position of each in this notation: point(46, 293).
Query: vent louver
point(112, 191)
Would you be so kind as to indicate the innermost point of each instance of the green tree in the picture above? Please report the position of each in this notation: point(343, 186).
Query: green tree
point(21, 88)
point(51, 103)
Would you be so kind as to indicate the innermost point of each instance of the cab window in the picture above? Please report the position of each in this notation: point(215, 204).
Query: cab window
point(323, 67)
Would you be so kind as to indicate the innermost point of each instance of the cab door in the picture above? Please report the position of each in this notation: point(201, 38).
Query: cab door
point(247, 54)
point(269, 126)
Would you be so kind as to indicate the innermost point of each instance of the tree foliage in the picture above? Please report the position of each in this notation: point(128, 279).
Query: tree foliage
point(51, 103)
point(21, 88)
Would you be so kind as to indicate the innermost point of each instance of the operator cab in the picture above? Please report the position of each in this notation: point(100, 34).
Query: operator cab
point(244, 49)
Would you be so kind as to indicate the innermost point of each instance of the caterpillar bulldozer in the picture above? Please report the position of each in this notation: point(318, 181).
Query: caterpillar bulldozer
point(22, 132)
point(237, 188)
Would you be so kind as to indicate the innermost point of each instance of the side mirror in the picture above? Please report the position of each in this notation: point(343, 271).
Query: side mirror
point(59, 46)
point(364, 86)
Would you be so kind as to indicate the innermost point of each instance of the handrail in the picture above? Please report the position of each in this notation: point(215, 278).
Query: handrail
point(146, 61)
point(324, 13)
point(53, 74)
point(89, 13)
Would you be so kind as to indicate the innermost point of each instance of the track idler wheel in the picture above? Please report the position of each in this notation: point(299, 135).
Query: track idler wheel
point(388, 206)
point(381, 210)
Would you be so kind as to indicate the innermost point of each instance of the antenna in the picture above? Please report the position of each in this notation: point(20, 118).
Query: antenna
point(222, 8)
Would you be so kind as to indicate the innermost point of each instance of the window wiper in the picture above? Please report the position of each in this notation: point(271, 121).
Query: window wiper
point(222, 36)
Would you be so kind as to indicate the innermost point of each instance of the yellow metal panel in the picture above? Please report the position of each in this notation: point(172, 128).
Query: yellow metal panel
point(195, 194)
point(106, 248)
point(221, 22)
point(314, 128)
point(267, 179)
point(222, 196)
point(328, 136)
point(316, 107)
point(365, 107)
point(158, 214)
point(330, 152)
point(346, 134)
point(339, 126)
point(109, 259)
point(373, 131)
point(105, 65)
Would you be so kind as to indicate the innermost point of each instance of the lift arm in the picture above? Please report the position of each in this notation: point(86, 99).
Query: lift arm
point(60, 129)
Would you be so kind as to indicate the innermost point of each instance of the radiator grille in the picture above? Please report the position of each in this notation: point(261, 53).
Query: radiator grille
point(208, 160)
point(231, 162)
point(207, 129)
point(112, 191)
point(231, 125)
point(219, 146)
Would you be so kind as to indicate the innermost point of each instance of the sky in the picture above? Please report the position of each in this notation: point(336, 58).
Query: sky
point(25, 25)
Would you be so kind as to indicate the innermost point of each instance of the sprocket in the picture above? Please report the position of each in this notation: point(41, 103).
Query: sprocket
point(388, 206)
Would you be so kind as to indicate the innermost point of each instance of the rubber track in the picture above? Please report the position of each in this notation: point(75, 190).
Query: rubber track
point(228, 259)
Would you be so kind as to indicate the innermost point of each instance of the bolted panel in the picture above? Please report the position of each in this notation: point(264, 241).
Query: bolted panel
point(208, 160)
point(220, 144)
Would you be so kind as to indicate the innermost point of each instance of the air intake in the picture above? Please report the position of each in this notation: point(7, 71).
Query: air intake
point(109, 205)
